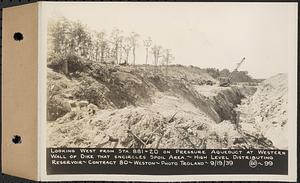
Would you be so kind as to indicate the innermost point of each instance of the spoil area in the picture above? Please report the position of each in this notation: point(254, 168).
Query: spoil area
point(147, 107)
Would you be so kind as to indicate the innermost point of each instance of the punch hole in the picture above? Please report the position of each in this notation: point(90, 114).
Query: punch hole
point(18, 36)
point(17, 139)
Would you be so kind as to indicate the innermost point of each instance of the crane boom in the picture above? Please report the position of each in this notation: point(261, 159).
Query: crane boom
point(228, 80)
point(239, 64)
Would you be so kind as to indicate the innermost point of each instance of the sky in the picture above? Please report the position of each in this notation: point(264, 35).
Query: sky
point(206, 35)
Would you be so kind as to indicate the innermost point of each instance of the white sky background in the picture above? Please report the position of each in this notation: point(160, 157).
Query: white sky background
point(201, 34)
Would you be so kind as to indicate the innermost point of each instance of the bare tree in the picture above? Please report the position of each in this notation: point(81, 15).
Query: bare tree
point(134, 42)
point(147, 44)
point(127, 46)
point(156, 50)
point(120, 49)
point(101, 46)
point(116, 40)
point(167, 58)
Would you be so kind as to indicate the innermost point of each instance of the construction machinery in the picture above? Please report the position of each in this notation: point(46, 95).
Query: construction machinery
point(226, 81)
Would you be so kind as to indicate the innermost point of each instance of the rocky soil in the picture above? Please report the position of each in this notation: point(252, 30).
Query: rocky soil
point(166, 107)
point(265, 113)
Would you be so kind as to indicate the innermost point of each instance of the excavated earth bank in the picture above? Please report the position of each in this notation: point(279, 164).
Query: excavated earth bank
point(147, 107)
point(265, 113)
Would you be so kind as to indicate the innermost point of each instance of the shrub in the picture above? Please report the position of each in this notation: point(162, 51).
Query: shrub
point(57, 107)
point(55, 61)
point(92, 91)
point(58, 61)
point(213, 72)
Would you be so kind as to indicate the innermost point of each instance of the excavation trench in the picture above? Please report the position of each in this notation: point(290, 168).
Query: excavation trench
point(227, 104)
point(220, 102)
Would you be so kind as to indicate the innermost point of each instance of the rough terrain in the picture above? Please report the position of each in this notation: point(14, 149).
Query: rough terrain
point(265, 113)
point(166, 107)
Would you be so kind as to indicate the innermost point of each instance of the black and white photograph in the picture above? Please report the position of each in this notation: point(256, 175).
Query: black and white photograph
point(163, 76)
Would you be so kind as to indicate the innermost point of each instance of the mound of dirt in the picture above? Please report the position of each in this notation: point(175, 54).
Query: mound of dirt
point(265, 113)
